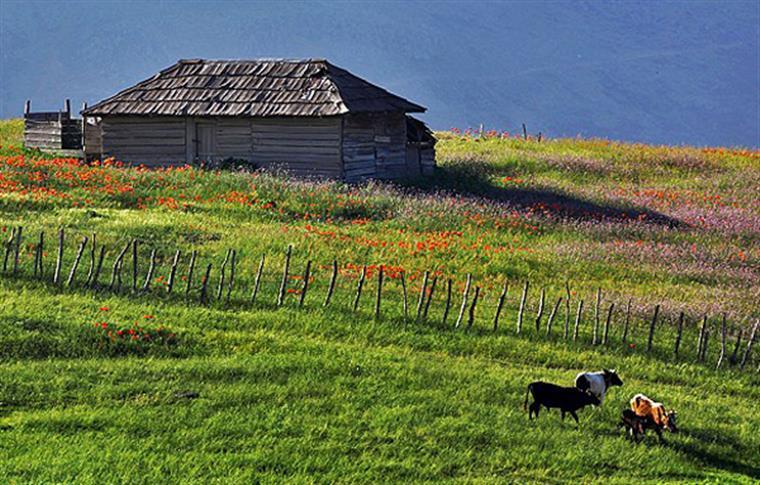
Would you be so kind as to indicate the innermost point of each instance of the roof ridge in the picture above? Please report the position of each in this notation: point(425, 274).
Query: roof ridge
point(305, 60)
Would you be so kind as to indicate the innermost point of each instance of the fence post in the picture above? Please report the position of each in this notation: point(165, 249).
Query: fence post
point(59, 258)
point(447, 305)
point(151, 270)
point(607, 323)
point(705, 343)
point(551, 317)
point(627, 320)
point(429, 298)
point(577, 320)
point(651, 328)
point(723, 332)
point(701, 338)
point(98, 267)
point(405, 300)
point(471, 316)
point(17, 249)
point(190, 269)
point(134, 265)
point(284, 282)
point(306, 276)
point(540, 310)
point(204, 285)
point(500, 304)
point(379, 292)
point(9, 248)
point(78, 257)
point(522, 307)
point(465, 296)
point(222, 273)
point(333, 279)
point(595, 338)
point(231, 284)
point(678, 336)
point(93, 259)
point(421, 299)
point(737, 344)
point(257, 281)
point(173, 271)
point(41, 250)
point(567, 309)
point(745, 357)
point(359, 286)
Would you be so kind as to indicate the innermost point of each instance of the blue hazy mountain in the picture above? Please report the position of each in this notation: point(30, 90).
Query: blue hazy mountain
point(683, 72)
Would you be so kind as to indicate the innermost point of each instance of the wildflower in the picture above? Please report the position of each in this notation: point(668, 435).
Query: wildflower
point(104, 309)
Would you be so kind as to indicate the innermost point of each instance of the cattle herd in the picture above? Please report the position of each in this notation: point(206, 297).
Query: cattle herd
point(590, 389)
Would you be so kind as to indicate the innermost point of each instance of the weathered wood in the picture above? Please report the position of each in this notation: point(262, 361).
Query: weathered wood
point(465, 296)
point(222, 274)
point(577, 320)
point(305, 287)
point(652, 325)
point(421, 299)
point(41, 251)
point(679, 334)
point(500, 304)
point(190, 269)
point(173, 271)
point(567, 309)
point(17, 249)
point(257, 281)
point(750, 341)
point(551, 317)
point(471, 315)
point(405, 301)
point(447, 305)
point(116, 270)
point(134, 264)
point(701, 338)
point(595, 337)
point(723, 335)
point(93, 259)
point(705, 344)
point(540, 312)
point(151, 270)
point(523, 298)
point(627, 320)
point(59, 258)
point(37, 252)
point(359, 286)
point(331, 286)
point(429, 298)
point(284, 282)
point(230, 285)
point(737, 343)
point(378, 301)
point(204, 285)
point(605, 337)
point(77, 258)
point(98, 267)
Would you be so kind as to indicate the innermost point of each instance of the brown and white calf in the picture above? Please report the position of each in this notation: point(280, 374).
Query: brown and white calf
point(654, 415)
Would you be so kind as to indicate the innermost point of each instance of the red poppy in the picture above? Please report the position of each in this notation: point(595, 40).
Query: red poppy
point(148, 317)
point(104, 309)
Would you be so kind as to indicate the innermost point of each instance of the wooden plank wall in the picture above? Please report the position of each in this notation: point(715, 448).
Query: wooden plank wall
point(234, 138)
point(302, 146)
point(374, 146)
point(52, 132)
point(152, 141)
point(93, 140)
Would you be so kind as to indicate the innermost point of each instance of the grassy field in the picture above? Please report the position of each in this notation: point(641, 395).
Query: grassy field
point(113, 386)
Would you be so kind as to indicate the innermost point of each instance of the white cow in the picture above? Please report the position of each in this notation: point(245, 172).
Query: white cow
point(597, 383)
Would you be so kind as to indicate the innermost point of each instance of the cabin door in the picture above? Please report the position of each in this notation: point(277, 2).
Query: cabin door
point(205, 141)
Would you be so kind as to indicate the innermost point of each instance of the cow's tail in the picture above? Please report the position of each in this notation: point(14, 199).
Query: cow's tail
point(527, 393)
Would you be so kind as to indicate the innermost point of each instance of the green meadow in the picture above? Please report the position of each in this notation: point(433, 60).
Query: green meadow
point(104, 383)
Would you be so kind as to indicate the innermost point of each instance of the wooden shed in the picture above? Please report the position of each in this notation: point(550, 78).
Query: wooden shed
point(52, 131)
point(305, 116)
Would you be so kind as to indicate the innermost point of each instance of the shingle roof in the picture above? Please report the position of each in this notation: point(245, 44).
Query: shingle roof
point(311, 87)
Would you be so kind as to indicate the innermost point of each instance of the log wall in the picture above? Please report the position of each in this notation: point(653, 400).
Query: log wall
point(374, 146)
point(52, 131)
point(152, 141)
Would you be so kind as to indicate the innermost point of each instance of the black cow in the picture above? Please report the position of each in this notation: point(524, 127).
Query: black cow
point(567, 399)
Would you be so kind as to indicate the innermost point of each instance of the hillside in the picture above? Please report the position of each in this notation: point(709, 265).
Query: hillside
point(233, 390)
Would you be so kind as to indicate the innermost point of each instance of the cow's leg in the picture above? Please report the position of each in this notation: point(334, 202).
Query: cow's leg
point(575, 416)
point(659, 434)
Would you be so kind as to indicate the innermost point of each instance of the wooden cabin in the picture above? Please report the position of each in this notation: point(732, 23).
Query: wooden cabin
point(308, 117)
point(52, 131)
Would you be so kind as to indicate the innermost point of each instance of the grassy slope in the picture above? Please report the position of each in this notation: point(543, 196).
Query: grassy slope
point(327, 394)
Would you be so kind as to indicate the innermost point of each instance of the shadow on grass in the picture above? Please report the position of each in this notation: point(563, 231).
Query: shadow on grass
point(715, 460)
point(472, 181)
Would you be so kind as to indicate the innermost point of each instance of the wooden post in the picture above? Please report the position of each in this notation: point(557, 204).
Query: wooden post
point(59, 259)
point(595, 338)
point(36, 258)
point(447, 305)
point(232, 276)
point(567, 309)
point(204, 285)
point(465, 295)
point(305, 288)
point(577, 320)
point(222, 273)
point(525, 131)
point(151, 270)
point(17, 249)
point(471, 316)
point(8, 248)
point(429, 298)
point(379, 292)
point(522, 307)
point(134, 265)
point(421, 299)
point(173, 271)
point(78, 257)
point(606, 335)
point(551, 317)
point(651, 328)
point(500, 304)
point(678, 335)
point(93, 260)
point(27, 107)
point(67, 106)
point(735, 354)
point(405, 300)
point(701, 338)
point(705, 343)
point(190, 269)
point(116, 273)
point(284, 282)
point(627, 320)
point(540, 310)
point(98, 267)
point(745, 357)
point(723, 334)
point(333, 279)
point(257, 281)
point(41, 251)
point(359, 286)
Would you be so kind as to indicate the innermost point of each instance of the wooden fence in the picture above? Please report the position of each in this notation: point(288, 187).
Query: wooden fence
point(88, 270)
